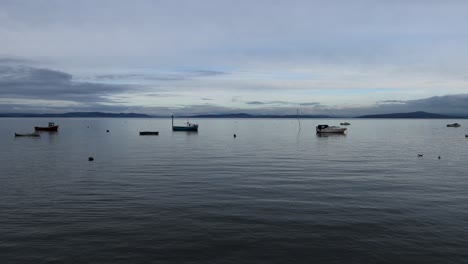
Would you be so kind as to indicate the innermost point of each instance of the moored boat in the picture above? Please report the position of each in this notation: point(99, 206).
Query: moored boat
point(51, 127)
point(187, 127)
point(330, 129)
point(454, 125)
point(149, 133)
point(27, 135)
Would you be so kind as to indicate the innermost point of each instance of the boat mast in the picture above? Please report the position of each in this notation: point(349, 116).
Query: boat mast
point(298, 120)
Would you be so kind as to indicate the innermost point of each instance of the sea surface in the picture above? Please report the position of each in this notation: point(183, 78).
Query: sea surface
point(277, 193)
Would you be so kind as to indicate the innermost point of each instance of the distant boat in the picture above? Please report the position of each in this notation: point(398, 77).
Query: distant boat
point(51, 127)
point(330, 129)
point(187, 127)
point(345, 124)
point(149, 133)
point(27, 135)
point(454, 125)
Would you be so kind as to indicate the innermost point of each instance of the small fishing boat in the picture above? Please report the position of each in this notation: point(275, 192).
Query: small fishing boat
point(51, 127)
point(454, 125)
point(187, 127)
point(345, 124)
point(149, 133)
point(27, 135)
point(330, 129)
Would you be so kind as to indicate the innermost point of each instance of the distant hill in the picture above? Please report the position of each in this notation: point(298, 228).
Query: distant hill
point(419, 114)
point(244, 115)
point(78, 114)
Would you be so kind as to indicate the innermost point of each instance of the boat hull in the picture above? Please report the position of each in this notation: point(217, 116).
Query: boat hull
point(149, 133)
point(27, 135)
point(185, 128)
point(325, 129)
point(52, 128)
point(336, 131)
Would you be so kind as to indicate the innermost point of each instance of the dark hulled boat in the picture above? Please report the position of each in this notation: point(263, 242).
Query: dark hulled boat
point(187, 127)
point(27, 135)
point(149, 133)
point(51, 127)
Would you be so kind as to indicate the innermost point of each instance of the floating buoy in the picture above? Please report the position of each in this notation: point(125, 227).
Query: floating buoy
point(235, 136)
point(90, 159)
point(107, 131)
point(439, 157)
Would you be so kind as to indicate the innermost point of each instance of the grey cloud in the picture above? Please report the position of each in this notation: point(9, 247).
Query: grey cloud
point(255, 103)
point(310, 104)
point(282, 103)
point(171, 76)
point(391, 102)
point(14, 61)
point(38, 83)
point(270, 103)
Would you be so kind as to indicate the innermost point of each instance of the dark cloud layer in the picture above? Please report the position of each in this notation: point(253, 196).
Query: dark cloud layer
point(173, 76)
point(37, 83)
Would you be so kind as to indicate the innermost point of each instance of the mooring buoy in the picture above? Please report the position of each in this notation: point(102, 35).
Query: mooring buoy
point(90, 159)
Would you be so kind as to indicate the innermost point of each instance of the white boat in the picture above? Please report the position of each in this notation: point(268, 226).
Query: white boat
point(330, 129)
point(454, 125)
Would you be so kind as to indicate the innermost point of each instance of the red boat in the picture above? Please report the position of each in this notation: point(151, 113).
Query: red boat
point(51, 127)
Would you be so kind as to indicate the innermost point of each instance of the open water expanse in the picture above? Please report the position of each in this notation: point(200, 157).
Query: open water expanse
point(274, 194)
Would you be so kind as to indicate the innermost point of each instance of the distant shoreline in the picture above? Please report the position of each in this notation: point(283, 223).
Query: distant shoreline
point(411, 115)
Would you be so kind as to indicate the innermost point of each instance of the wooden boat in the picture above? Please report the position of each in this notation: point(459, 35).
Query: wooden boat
point(330, 129)
point(454, 125)
point(187, 127)
point(51, 127)
point(149, 133)
point(27, 135)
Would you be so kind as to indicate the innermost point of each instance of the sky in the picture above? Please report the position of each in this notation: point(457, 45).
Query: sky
point(261, 57)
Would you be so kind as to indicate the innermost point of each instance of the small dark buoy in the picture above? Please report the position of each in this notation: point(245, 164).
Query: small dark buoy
point(420, 155)
point(235, 135)
point(90, 159)
point(107, 131)
point(439, 157)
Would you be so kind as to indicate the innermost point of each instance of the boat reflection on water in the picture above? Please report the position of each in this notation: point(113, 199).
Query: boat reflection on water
point(331, 135)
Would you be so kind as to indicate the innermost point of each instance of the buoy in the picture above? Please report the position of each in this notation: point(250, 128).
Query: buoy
point(90, 159)
point(439, 157)
point(107, 131)
point(235, 136)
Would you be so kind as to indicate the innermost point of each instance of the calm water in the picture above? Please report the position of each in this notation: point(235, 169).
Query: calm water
point(274, 194)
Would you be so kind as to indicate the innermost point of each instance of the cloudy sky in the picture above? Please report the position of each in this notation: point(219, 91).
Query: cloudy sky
point(254, 56)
